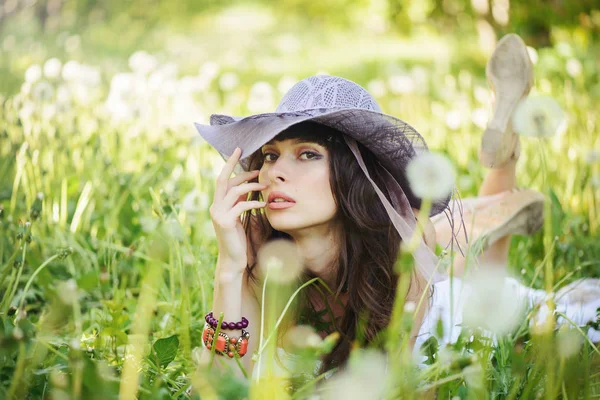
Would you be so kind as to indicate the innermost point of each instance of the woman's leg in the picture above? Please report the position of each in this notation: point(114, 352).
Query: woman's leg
point(498, 180)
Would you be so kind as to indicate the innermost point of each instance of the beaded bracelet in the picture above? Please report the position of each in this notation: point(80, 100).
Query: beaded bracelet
point(243, 324)
point(224, 344)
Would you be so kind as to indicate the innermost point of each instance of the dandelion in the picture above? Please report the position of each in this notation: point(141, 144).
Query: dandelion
point(493, 303)
point(229, 81)
point(67, 292)
point(401, 84)
point(410, 307)
point(52, 68)
point(453, 119)
point(431, 176)
point(71, 71)
point(195, 201)
point(574, 67)
point(569, 342)
point(286, 83)
point(33, 73)
point(377, 88)
point(141, 62)
point(366, 373)
point(539, 116)
point(281, 260)
point(302, 337)
point(261, 97)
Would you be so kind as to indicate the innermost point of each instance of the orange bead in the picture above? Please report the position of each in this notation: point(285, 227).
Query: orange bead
point(233, 340)
point(208, 346)
point(220, 346)
point(243, 346)
point(210, 339)
point(204, 335)
point(210, 331)
point(230, 354)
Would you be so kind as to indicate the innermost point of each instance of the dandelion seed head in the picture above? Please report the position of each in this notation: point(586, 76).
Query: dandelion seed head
point(431, 176)
point(410, 307)
point(281, 260)
point(17, 333)
point(574, 67)
point(52, 68)
point(42, 91)
point(539, 116)
point(33, 73)
point(493, 304)
point(569, 342)
point(229, 81)
point(301, 337)
point(142, 63)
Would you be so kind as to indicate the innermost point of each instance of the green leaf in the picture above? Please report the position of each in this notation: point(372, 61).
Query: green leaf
point(165, 350)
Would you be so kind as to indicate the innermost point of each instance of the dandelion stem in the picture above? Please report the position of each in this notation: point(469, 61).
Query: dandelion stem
point(37, 271)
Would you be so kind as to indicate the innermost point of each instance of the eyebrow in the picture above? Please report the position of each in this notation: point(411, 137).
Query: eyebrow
point(295, 141)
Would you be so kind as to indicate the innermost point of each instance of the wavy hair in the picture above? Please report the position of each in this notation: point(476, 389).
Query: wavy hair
point(369, 247)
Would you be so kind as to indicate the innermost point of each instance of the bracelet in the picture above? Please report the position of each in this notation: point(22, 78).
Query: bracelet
point(243, 324)
point(224, 344)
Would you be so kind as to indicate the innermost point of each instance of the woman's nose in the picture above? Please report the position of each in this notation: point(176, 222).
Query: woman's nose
point(278, 171)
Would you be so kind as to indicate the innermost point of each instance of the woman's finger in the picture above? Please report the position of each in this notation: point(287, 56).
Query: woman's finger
point(245, 206)
point(235, 192)
point(241, 178)
point(223, 178)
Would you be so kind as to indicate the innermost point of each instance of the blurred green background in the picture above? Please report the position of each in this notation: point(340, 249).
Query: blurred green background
point(96, 137)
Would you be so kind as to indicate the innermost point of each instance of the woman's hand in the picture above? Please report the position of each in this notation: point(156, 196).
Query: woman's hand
point(228, 205)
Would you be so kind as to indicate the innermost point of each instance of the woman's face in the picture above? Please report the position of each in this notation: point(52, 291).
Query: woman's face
point(299, 172)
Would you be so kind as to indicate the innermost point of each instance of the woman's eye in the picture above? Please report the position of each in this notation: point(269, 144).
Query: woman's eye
point(310, 155)
point(267, 158)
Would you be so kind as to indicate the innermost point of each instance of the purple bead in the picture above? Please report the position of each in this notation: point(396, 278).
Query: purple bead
point(213, 322)
point(206, 318)
point(245, 324)
point(224, 325)
point(239, 325)
point(244, 319)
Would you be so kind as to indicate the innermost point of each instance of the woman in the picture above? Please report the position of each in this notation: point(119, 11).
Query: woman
point(328, 171)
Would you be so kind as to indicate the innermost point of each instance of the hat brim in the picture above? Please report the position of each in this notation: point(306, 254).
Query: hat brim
point(394, 142)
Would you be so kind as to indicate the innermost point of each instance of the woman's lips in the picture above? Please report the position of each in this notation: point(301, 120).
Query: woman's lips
point(280, 205)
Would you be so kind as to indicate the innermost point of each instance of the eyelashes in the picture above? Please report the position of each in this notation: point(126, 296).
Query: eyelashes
point(311, 155)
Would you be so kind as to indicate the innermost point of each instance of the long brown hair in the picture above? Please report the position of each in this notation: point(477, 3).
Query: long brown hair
point(369, 247)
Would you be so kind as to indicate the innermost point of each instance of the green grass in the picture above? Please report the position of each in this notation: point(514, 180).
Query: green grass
point(116, 253)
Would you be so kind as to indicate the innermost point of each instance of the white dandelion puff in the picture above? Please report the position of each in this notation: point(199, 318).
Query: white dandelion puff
point(52, 68)
point(539, 116)
point(195, 201)
point(377, 88)
point(569, 342)
point(454, 119)
point(261, 97)
point(494, 303)
point(229, 81)
point(302, 337)
point(71, 71)
point(33, 73)
point(401, 84)
point(42, 91)
point(281, 260)
point(366, 373)
point(574, 67)
point(142, 63)
point(67, 292)
point(431, 176)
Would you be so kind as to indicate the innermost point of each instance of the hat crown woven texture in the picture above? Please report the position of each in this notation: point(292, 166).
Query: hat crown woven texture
point(324, 91)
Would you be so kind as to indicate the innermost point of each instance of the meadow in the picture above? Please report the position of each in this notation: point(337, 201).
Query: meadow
point(107, 251)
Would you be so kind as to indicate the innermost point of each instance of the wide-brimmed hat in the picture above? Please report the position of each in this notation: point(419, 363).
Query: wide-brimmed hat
point(347, 107)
